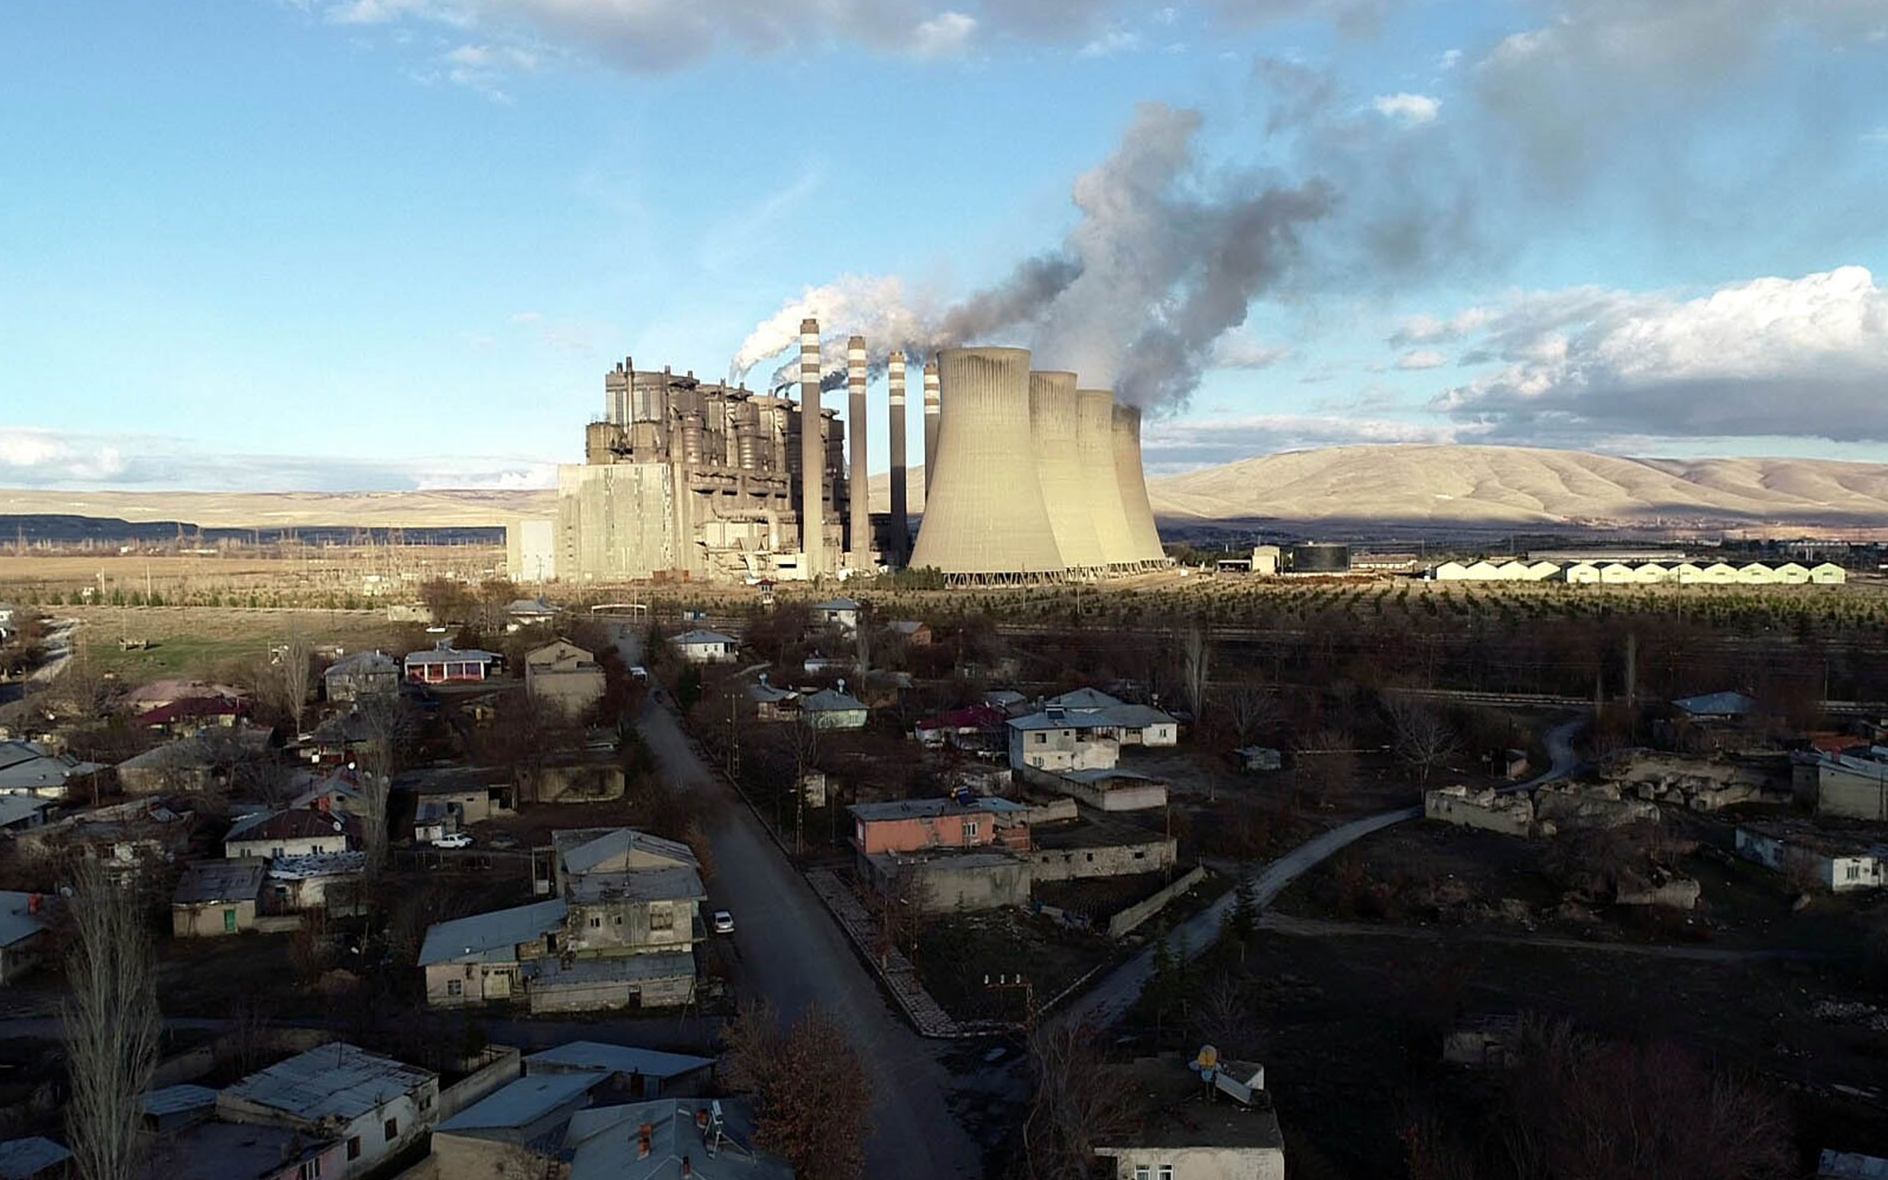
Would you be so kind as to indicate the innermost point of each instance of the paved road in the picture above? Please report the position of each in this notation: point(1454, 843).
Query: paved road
point(792, 953)
point(1115, 994)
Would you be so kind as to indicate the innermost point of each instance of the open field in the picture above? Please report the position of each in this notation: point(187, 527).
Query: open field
point(338, 577)
point(203, 642)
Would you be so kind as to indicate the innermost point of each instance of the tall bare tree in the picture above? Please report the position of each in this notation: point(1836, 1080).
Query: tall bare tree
point(112, 1024)
point(1078, 1103)
point(1196, 667)
point(1423, 740)
point(295, 675)
point(384, 724)
point(1252, 709)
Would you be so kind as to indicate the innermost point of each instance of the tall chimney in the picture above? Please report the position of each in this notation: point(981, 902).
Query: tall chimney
point(812, 453)
point(901, 509)
point(930, 429)
point(859, 555)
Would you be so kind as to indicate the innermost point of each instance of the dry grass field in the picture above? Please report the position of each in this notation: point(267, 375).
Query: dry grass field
point(217, 642)
point(330, 577)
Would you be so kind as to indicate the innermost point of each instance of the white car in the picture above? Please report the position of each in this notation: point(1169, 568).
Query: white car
point(453, 840)
point(724, 922)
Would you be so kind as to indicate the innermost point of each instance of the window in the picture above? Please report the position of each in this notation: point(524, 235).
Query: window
point(596, 922)
point(354, 1148)
point(1855, 872)
point(455, 987)
point(1143, 1172)
point(619, 919)
point(311, 1170)
point(970, 828)
point(1163, 1172)
point(392, 1130)
point(426, 1101)
point(1039, 737)
point(661, 917)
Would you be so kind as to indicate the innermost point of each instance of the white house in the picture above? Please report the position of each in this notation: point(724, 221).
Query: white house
point(1189, 1127)
point(707, 647)
point(374, 1105)
point(1831, 862)
point(273, 834)
point(842, 613)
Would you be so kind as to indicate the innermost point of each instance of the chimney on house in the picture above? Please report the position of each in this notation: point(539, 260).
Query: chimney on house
point(645, 1141)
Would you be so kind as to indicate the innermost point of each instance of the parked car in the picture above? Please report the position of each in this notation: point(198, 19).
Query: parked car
point(724, 922)
point(453, 840)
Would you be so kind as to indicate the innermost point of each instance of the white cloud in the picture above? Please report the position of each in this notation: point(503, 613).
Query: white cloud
point(1772, 357)
point(943, 35)
point(1412, 110)
point(1450, 59)
point(1241, 350)
point(1115, 39)
point(1421, 358)
point(1424, 329)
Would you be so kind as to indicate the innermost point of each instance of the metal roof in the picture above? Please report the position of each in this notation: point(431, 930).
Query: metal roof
point(525, 1101)
point(1085, 698)
point(338, 1080)
point(931, 808)
point(604, 844)
point(23, 1158)
point(547, 973)
point(14, 808)
point(297, 824)
point(230, 1151)
point(598, 1056)
point(1107, 717)
point(692, 638)
point(447, 655)
point(323, 864)
point(604, 1143)
point(1717, 704)
point(177, 1099)
point(675, 883)
point(836, 604)
point(493, 937)
point(207, 882)
point(831, 700)
point(18, 922)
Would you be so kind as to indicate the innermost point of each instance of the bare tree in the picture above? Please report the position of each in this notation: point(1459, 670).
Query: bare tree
point(1196, 664)
point(112, 1024)
point(1078, 1102)
point(295, 676)
point(1252, 709)
point(1326, 765)
point(1423, 740)
point(384, 725)
point(810, 1086)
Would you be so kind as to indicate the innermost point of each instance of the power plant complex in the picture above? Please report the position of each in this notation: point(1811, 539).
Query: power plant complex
point(1028, 478)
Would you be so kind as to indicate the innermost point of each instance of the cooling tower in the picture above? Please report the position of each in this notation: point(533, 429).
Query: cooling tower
point(812, 453)
point(1094, 451)
point(1133, 483)
point(859, 514)
point(1053, 434)
point(933, 411)
point(901, 508)
point(984, 517)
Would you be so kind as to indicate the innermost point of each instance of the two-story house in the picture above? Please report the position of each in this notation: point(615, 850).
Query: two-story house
point(564, 676)
point(297, 832)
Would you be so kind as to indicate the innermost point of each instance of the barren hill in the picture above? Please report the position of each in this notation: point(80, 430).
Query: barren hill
point(1524, 486)
point(253, 510)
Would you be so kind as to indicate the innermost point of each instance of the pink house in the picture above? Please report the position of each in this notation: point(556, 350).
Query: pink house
point(917, 825)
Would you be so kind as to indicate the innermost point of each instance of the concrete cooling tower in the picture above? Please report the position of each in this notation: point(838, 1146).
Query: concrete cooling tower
point(1054, 432)
point(1128, 474)
point(1094, 450)
point(984, 515)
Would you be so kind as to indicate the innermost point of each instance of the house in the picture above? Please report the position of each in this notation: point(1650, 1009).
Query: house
point(363, 675)
point(28, 768)
point(520, 1113)
point(476, 960)
point(327, 880)
point(833, 708)
point(634, 1074)
point(707, 647)
point(270, 834)
point(186, 765)
point(159, 693)
point(772, 703)
point(1828, 860)
point(564, 676)
point(23, 933)
point(190, 714)
point(529, 612)
point(1854, 786)
point(1085, 730)
point(702, 1139)
point(20, 812)
point(839, 613)
point(913, 631)
point(1102, 788)
point(1259, 758)
point(974, 729)
point(913, 825)
point(375, 1106)
point(214, 1150)
point(172, 1108)
point(445, 665)
point(452, 798)
point(336, 794)
point(125, 837)
point(216, 897)
point(1192, 1121)
point(34, 1158)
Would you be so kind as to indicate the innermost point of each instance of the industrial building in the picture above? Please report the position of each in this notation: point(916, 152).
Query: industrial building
point(1028, 479)
point(1641, 573)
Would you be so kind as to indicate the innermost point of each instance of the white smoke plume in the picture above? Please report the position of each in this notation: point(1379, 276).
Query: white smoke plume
point(1165, 259)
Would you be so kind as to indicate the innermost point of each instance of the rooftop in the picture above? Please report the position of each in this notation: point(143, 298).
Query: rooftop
point(324, 864)
point(691, 638)
point(20, 1158)
point(584, 850)
point(676, 883)
point(903, 809)
point(907, 626)
point(362, 661)
point(830, 700)
point(493, 937)
point(177, 1100)
point(604, 1058)
point(1175, 1109)
point(20, 919)
point(448, 655)
point(1084, 698)
point(206, 882)
point(228, 1151)
point(14, 808)
point(294, 824)
point(604, 1143)
point(1093, 833)
point(836, 604)
point(545, 973)
point(1116, 716)
point(335, 1080)
point(1717, 704)
point(524, 1101)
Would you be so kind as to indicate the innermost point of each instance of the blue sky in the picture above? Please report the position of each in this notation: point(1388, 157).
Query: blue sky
point(270, 244)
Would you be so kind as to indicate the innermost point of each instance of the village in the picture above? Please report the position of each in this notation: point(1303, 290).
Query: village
point(506, 892)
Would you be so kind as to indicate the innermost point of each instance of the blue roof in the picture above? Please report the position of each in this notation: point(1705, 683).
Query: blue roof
point(177, 1099)
point(1717, 704)
point(493, 937)
point(20, 1158)
point(601, 1057)
point(524, 1101)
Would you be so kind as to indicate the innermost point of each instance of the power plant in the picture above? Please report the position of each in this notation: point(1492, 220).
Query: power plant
point(1028, 479)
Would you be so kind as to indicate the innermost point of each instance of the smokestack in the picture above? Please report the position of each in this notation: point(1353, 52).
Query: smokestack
point(984, 519)
point(1094, 448)
point(812, 453)
point(1053, 435)
point(932, 412)
point(859, 555)
point(1132, 479)
point(901, 508)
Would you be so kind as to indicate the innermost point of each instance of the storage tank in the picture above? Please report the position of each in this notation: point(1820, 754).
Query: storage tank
point(1320, 557)
point(1054, 434)
point(984, 517)
point(1128, 474)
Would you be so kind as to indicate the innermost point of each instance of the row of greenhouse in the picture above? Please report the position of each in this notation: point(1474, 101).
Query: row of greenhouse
point(1646, 573)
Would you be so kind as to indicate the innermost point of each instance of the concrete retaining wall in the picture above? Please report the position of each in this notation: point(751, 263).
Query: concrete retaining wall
point(1141, 911)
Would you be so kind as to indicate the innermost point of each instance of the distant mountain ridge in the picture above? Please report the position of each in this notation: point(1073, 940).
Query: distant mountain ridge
point(1409, 487)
